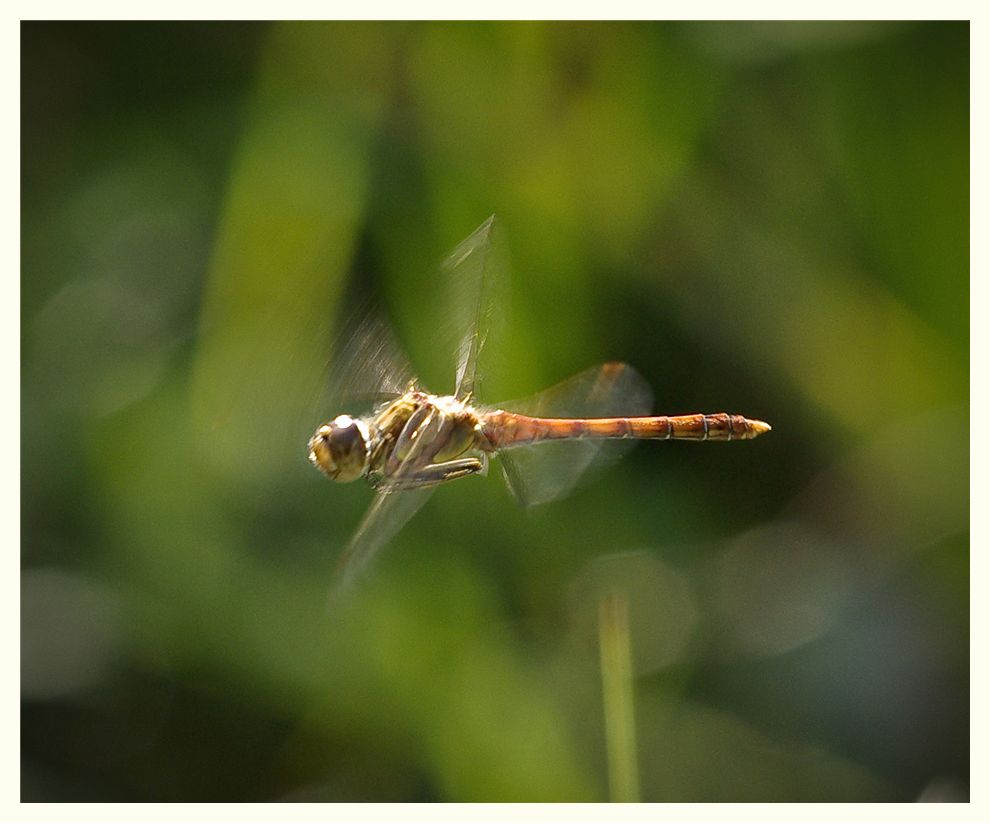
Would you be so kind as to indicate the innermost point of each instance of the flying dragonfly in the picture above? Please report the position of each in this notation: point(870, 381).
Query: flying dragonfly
point(413, 441)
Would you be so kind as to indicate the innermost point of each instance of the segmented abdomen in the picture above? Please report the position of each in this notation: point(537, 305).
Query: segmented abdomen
point(505, 429)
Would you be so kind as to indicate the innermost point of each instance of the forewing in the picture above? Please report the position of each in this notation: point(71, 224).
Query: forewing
point(544, 471)
point(476, 275)
point(369, 367)
point(366, 367)
point(388, 513)
point(398, 499)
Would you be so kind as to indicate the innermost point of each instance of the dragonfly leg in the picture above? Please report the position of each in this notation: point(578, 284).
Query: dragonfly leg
point(413, 461)
point(440, 473)
point(417, 423)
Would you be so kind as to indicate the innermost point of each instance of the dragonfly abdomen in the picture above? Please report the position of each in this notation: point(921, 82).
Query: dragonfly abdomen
point(506, 429)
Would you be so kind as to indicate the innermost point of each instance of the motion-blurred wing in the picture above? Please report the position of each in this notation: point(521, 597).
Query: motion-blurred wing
point(388, 513)
point(544, 471)
point(399, 498)
point(475, 274)
point(366, 367)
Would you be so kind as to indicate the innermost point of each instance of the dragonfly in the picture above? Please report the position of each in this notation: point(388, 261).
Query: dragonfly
point(412, 441)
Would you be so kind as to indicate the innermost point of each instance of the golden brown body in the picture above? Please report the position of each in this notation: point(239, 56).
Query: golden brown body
point(505, 429)
point(422, 439)
point(418, 440)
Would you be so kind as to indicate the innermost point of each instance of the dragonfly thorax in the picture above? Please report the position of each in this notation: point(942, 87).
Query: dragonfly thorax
point(340, 449)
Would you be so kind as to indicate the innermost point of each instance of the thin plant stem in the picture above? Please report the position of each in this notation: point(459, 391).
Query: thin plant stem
point(617, 695)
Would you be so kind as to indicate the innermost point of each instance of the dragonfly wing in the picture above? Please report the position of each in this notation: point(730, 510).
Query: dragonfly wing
point(388, 513)
point(370, 367)
point(545, 471)
point(475, 273)
point(367, 366)
point(399, 498)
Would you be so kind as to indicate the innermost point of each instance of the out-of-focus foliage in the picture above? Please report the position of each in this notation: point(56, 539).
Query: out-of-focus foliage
point(763, 218)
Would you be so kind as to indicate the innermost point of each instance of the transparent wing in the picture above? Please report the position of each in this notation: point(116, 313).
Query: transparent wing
point(366, 366)
point(541, 472)
point(476, 274)
point(369, 367)
point(398, 499)
point(388, 513)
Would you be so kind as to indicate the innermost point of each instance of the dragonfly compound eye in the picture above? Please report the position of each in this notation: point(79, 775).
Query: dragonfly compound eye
point(339, 449)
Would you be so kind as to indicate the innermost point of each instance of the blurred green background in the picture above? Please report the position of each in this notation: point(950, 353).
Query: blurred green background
point(764, 218)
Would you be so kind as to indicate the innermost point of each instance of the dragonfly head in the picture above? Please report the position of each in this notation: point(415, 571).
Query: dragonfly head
point(339, 448)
